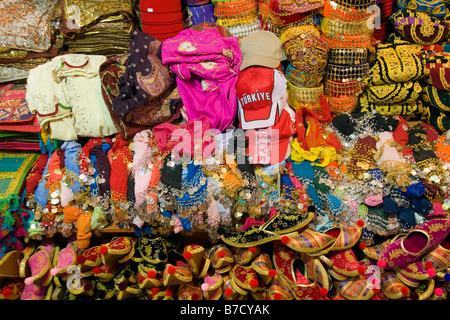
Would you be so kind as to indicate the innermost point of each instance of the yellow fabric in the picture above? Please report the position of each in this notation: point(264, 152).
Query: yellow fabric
point(325, 153)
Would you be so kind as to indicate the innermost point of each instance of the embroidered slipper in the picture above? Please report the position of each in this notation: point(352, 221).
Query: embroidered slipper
point(393, 287)
point(250, 237)
point(244, 255)
point(374, 252)
point(406, 250)
point(106, 272)
point(346, 237)
point(130, 254)
point(261, 295)
point(317, 271)
point(163, 293)
point(85, 287)
point(345, 263)
point(58, 293)
point(115, 250)
point(279, 291)
point(104, 290)
point(64, 259)
point(188, 291)
point(355, 288)
point(89, 259)
point(336, 275)
point(152, 250)
point(229, 293)
point(10, 264)
point(221, 258)
point(293, 272)
point(244, 278)
point(205, 268)
point(12, 289)
point(424, 290)
point(212, 286)
point(284, 222)
point(24, 268)
point(439, 293)
point(149, 275)
point(439, 257)
point(410, 282)
point(40, 263)
point(125, 284)
point(194, 255)
point(175, 275)
point(308, 241)
point(263, 266)
point(418, 271)
point(33, 292)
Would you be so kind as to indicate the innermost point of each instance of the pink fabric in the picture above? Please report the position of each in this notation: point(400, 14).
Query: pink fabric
point(206, 65)
point(250, 222)
point(213, 214)
point(373, 200)
point(389, 152)
point(177, 226)
point(163, 134)
point(141, 179)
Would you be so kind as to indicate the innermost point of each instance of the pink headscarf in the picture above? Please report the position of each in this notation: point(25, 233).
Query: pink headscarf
point(206, 65)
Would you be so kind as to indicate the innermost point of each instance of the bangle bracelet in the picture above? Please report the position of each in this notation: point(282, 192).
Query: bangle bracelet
point(346, 73)
point(343, 104)
point(302, 79)
point(295, 6)
point(362, 41)
point(331, 26)
point(348, 56)
point(338, 88)
point(298, 96)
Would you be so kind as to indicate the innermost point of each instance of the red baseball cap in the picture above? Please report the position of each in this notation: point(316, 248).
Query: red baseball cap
point(259, 91)
point(272, 145)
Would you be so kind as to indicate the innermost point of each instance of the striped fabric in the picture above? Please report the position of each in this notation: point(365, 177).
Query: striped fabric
point(392, 286)
point(440, 257)
point(374, 252)
point(355, 288)
point(347, 237)
point(310, 241)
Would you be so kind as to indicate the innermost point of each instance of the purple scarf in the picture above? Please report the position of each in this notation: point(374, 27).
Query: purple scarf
point(206, 65)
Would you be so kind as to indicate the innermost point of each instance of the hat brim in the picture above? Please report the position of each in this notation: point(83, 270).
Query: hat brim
point(259, 61)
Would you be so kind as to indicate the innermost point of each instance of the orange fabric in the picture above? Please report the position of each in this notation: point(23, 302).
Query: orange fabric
point(84, 230)
point(83, 223)
point(71, 214)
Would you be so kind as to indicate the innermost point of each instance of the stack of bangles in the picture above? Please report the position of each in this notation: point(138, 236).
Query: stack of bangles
point(343, 104)
point(331, 26)
point(283, 20)
point(234, 8)
point(360, 41)
point(289, 6)
point(348, 56)
point(339, 89)
point(346, 73)
point(298, 96)
point(303, 79)
point(353, 13)
point(240, 17)
point(358, 5)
